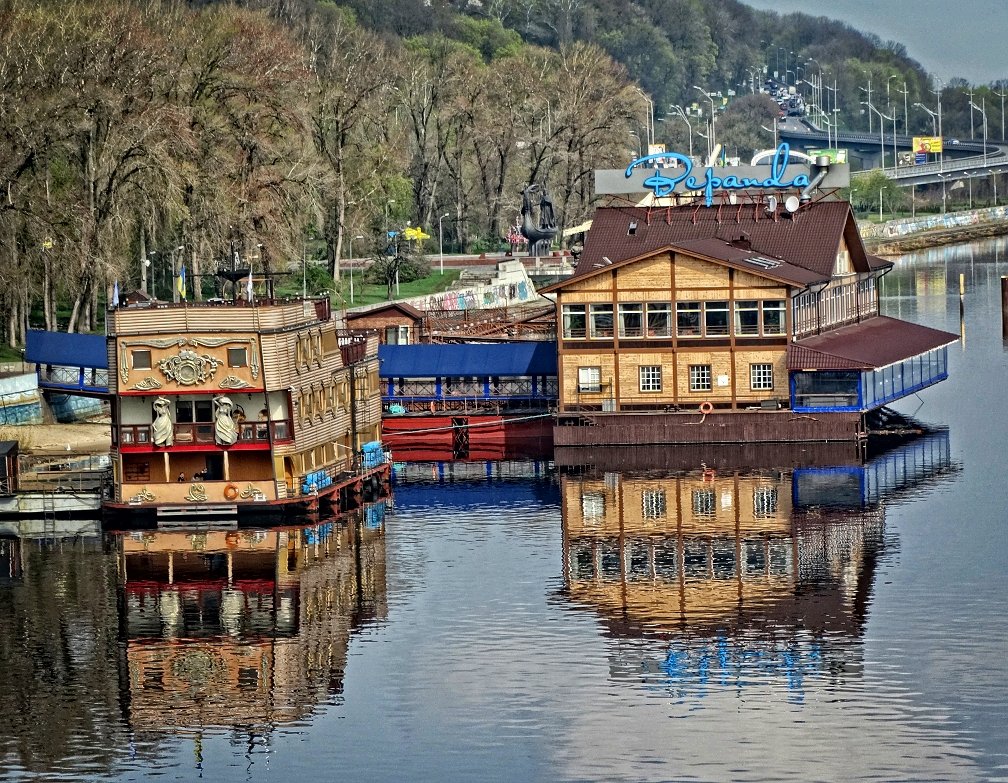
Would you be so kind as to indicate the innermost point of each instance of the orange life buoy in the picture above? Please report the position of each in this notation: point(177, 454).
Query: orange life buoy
point(230, 491)
point(706, 407)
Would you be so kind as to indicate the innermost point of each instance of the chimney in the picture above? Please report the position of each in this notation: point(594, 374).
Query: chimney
point(742, 242)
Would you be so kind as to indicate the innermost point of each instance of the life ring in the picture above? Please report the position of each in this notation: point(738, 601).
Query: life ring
point(706, 407)
point(433, 407)
point(230, 491)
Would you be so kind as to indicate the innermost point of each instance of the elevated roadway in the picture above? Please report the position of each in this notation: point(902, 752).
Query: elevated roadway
point(960, 159)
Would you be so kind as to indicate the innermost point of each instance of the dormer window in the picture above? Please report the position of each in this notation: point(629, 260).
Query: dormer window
point(632, 229)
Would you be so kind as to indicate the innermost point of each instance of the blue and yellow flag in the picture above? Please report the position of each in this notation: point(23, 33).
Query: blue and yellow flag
point(181, 283)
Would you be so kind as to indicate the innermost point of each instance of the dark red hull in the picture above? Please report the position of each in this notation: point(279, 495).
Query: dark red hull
point(443, 436)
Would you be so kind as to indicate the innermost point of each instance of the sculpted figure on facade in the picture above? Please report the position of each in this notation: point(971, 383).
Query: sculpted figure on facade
point(162, 431)
point(225, 428)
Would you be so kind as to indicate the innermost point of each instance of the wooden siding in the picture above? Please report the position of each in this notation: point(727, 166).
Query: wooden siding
point(757, 426)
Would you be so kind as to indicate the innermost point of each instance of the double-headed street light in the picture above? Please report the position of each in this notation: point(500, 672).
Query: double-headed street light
point(983, 111)
point(682, 113)
point(713, 133)
point(934, 126)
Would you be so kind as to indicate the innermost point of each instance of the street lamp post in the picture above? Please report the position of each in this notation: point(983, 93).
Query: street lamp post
point(682, 113)
point(868, 99)
point(1002, 96)
point(934, 126)
point(906, 111)
point(440, 232)
point(359, 236)
point(983, 112)
point(888, 102)
point(650, 117)
point(713, 132)
point(881, 134)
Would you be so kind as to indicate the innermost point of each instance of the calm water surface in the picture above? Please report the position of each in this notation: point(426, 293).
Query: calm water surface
point(833, 621)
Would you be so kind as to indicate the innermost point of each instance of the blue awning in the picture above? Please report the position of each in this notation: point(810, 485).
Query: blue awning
point(467, 359)
point(66, 350)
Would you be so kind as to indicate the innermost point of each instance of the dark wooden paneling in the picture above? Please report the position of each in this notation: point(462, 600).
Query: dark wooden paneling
point(624, 429)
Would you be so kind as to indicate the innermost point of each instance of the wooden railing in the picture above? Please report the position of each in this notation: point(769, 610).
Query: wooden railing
point(203, 432)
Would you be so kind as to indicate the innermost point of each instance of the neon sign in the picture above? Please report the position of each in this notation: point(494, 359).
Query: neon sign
point(662, 185)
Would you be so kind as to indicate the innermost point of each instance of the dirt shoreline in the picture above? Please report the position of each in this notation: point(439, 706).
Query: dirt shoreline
point(891, 246)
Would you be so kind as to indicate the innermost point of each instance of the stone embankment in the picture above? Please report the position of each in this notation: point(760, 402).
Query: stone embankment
point(908, 234)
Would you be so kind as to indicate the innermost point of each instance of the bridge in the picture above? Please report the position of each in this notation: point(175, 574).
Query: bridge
point(960, 158)
point(69, 363)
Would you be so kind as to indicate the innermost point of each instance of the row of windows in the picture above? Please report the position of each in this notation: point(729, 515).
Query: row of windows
point(761, 378)
point(704, 503)
point(752, 318)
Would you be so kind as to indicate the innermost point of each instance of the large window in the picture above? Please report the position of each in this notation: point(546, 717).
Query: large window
point(574, 321)
point(631, 320)
point(659, 319)
point(589, 379)
point(601, 320)
point(747, 317)
point(688, 319)
point(773, 316)
point(715, 319)
point(760, 376)
point(650, 378)
point(699, 377)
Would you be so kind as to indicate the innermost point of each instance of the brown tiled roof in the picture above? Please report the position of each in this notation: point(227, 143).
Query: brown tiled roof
point(406, 309)
point(877, 342)
point(749, 261)
point(809, 238)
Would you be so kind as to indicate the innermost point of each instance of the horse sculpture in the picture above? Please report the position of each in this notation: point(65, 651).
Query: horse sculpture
point(539, 236)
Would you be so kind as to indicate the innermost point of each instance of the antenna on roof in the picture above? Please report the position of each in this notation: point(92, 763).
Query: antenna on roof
point(771, 204)
point(791, 204)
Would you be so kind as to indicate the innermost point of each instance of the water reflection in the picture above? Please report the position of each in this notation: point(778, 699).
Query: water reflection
point(744, 575)
point(243, 628)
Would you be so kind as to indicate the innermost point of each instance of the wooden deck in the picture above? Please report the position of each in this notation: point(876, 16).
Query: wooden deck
point(755, 426)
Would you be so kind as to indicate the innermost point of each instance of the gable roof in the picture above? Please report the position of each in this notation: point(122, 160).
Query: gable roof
point(406, 309)
point(808, 239)
point(463, 359)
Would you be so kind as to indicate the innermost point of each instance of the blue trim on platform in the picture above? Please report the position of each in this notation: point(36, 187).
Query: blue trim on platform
point(468, 359)
point(66, 350)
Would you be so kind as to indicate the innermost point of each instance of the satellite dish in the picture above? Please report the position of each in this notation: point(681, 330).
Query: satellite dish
point(791, 204)
point(772, 204)
point(732, 198)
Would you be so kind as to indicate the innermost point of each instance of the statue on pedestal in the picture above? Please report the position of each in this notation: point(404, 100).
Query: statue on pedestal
point(538, 233)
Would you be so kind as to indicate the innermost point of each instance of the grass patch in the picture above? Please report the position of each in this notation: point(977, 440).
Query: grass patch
point(8, 354)
point(369, 293)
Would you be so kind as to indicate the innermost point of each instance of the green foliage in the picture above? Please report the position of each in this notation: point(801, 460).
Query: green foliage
point(488, 37)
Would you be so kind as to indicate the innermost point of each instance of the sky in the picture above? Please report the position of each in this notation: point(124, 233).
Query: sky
point(949, 39)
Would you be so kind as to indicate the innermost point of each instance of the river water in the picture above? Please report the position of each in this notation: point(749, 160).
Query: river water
point(795, 614)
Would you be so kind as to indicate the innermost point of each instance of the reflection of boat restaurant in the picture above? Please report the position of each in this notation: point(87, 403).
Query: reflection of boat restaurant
point(739, 560)
point(250, 628)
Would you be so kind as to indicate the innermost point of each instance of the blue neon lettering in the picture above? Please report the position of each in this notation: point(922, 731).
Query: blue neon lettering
point(662, 185)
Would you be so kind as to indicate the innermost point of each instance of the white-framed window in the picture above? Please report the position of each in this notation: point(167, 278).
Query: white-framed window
point(631, 320)
point(764, 501)
point(589, 379)
point(653, 504)
point(703, 502)
point(600, 317)
point(773, 316)
point(688, 319)
point(574, 322)
point(715, 319)
point(699, 377)
point(747, 314)
point(592, 506)
point(397, 335)
point(650, 378)
point(761, 376)
point(659, 319)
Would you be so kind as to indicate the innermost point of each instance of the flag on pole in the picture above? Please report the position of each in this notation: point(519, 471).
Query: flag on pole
point(181, 282)
point(248, 286)
point(115, 294)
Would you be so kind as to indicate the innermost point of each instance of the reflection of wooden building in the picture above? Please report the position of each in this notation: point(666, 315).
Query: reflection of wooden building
point(243, 628)
point(704, 552)
point(236, 408)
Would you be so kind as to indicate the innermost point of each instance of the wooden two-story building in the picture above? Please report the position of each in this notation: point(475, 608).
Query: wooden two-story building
point(735, 322)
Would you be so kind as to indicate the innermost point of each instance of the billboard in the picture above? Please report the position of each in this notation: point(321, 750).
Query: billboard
point(927, 144)
point(834, 155)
